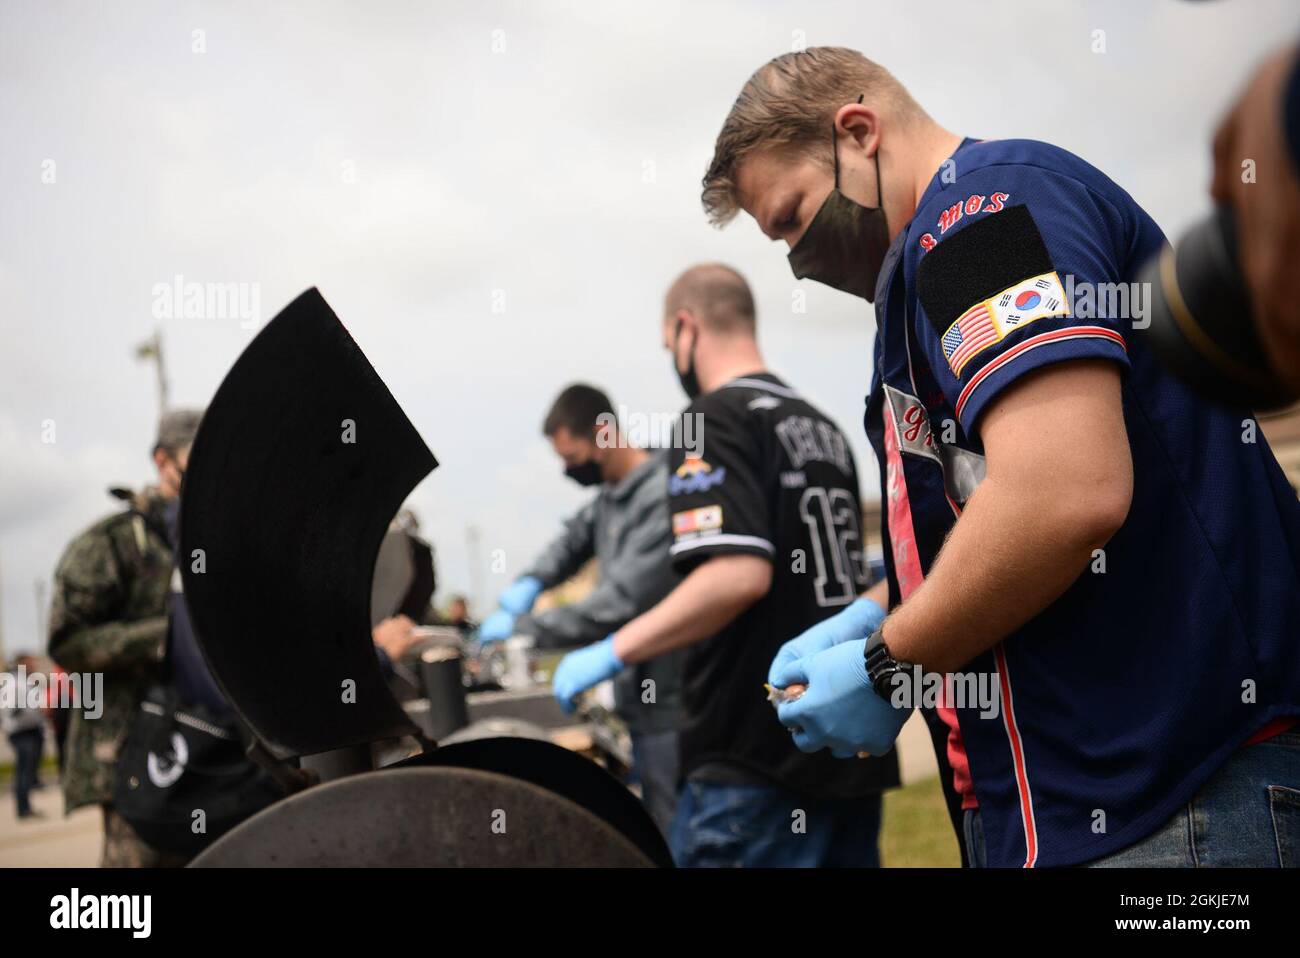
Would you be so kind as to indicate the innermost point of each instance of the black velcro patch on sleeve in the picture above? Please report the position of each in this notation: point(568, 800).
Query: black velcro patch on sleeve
point(982, 259)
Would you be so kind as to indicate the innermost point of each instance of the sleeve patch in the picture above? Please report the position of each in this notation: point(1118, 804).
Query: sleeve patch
point(695, 521)
point(979, 263)
point(695, 475)
point(990, 321)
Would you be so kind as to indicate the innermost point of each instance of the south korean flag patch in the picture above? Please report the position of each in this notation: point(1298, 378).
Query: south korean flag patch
point(1035, 298)
point(992, 320)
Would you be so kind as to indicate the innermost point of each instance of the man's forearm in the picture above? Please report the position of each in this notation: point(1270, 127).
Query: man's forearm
point(566, 553)
point(878, 593)
point(579, 623)
point(1005, 561)
point(1059, 485)
point(110, 646)
point(714, 594)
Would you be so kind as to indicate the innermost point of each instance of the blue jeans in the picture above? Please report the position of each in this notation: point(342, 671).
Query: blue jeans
point(1246, 816)
point(757, 826)
point(654, 761)
point(27, 747)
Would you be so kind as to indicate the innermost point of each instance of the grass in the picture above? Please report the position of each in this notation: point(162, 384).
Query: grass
point(916, 832)
point(48, 764)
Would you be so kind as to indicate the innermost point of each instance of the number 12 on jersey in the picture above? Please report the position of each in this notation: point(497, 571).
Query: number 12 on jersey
point(831, 516)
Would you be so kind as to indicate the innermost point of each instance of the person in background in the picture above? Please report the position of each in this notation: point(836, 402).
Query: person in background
point(625, 528)
point(405, 579)
point(109, 614)
point(57, 711)
point(458, 616)
point(25, 728)
point(765, 529)
point(394, 637)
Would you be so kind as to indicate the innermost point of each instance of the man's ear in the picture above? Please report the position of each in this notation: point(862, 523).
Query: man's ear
point(861, 124)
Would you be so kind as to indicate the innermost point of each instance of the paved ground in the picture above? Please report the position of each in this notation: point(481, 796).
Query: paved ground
point(52, 841)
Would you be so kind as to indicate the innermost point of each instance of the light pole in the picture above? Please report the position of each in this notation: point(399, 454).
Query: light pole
point(40, 613)
point(475, 567)
point(152, 349)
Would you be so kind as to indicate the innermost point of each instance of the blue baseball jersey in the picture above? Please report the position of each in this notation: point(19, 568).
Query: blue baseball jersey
point(1182, 638)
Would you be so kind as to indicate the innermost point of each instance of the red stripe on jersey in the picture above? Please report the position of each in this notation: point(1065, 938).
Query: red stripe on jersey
point(1070, 332)
point(1275, 727)
point(1018, 760)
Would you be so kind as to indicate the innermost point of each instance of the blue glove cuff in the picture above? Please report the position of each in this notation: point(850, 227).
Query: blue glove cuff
point(866, 615)
point(606, 645)
point(520, 596)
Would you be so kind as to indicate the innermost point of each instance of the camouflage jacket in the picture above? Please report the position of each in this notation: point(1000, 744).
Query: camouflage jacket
point(109, 615)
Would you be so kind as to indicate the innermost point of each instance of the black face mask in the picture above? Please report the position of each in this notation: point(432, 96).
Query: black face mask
point(690, 382)
point(846, 242)
point(585, 473)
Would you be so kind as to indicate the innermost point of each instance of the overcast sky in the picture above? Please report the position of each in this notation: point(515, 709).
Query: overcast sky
point(492, 196)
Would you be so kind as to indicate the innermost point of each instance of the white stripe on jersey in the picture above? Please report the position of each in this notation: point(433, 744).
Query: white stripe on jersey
point(727, 539)
point(760, 384)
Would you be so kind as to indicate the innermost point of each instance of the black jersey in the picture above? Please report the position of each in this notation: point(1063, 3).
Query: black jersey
point(757, 470)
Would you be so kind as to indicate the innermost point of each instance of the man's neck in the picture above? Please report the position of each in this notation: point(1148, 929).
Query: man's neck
point(623, 459)
point(929, 149)
point(737, 358)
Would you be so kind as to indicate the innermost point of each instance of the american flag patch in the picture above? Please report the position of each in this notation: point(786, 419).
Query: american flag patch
point(973, 331)
point(992, 320)
point(697, 520)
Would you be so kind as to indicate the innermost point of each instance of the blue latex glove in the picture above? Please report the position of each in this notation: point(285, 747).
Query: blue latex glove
point(857, 621)
point(497, 627)
point(840, 710)
point(580, 670)
point(521, 594)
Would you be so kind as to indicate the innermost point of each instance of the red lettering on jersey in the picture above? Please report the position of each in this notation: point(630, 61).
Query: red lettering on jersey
point(915, 419)
point(973, 204)
point(949, 217)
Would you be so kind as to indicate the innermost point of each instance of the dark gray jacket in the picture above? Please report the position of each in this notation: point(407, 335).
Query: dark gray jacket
point(625, 527)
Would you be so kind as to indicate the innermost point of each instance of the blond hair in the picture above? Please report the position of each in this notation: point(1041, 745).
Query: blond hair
point(789, 104)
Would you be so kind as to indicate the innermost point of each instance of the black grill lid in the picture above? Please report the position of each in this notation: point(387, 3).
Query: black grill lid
point(289, 517)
